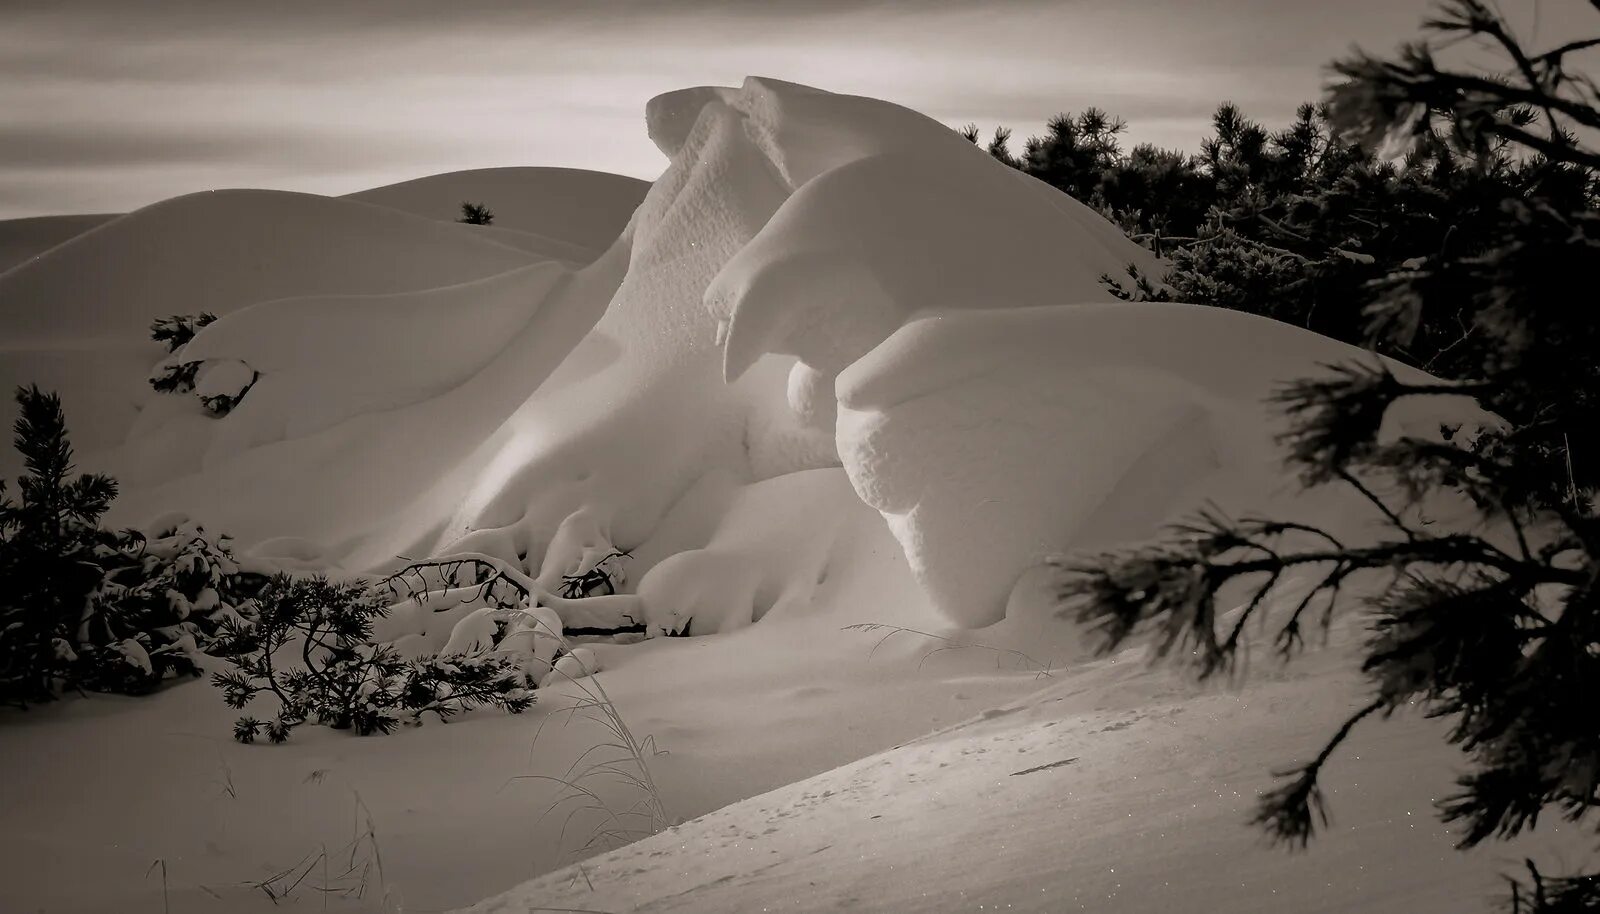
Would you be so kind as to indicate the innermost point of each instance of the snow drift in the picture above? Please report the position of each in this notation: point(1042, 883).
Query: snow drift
point(221, 250)
point(21, 240)
point(585, 210)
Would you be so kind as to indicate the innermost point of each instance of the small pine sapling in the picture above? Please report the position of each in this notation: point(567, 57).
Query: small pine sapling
point(476, 214)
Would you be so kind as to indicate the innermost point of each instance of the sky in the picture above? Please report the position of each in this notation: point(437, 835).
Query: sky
point(108, 105)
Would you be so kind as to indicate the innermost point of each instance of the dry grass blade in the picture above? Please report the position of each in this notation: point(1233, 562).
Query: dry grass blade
point(1042, 670)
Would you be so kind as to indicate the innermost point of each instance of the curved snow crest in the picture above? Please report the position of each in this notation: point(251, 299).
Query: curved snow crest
point(567, 212)
point(408, 347)
point(992, 441)
point(889, 212)
point(651, 416)
point(221, 250)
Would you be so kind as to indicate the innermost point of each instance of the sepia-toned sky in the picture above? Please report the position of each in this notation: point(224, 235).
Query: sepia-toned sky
point(106, 105)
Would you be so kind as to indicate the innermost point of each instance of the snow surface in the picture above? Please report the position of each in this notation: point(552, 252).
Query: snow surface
point(221, 250)
point(22, 240)
point(76, 318)
point(943, 428)
point(571, 206)
point(836, 388)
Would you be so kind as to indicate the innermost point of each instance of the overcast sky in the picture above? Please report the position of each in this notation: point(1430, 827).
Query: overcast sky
point(106, 105)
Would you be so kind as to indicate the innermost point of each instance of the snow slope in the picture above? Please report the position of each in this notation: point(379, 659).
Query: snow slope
point(220, 250)
point(22, 240)
point(839, 370)
point(574, 206)
point(1115, 787)
point(75, 319)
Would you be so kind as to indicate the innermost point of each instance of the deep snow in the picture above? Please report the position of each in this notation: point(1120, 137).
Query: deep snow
point(835, 368)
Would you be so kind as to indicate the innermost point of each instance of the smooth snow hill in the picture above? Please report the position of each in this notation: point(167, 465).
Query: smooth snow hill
point(221, 250)
point(24, 239)
point(575, 205)
point(75, 309)
point(565, 213)
point(76, 318)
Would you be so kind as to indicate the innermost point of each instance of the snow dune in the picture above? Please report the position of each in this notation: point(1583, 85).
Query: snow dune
point(221, 250)
point(570, 206)
point(22, 240)
point(75, 318)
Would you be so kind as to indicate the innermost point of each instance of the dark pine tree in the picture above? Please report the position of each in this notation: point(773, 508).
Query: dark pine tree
point(1493, 626)
point(476, 214)
point(49, 545)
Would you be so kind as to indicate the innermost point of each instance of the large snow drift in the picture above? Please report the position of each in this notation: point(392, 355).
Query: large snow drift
point(994, 440)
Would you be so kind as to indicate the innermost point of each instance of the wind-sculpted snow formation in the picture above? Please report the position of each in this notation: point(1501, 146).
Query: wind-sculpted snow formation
point(815, 280)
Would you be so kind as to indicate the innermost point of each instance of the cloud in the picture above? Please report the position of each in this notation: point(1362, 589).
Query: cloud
point(144, 100)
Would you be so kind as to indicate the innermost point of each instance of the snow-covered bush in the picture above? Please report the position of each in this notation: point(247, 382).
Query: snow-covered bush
point(87, 608)
point(311, 647)
point(174, 331)
point(161, 603)
point(220, 385)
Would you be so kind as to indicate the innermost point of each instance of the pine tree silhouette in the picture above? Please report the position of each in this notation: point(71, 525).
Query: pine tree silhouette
point(48, 545)
point(476, 214)
point(1492, 626)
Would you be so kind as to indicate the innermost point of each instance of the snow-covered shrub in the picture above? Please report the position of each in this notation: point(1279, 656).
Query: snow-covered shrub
point(600, 579)
point(87, 608)
point(174, 331)
point(220, 385)
point(162, 601)
point(311, 647)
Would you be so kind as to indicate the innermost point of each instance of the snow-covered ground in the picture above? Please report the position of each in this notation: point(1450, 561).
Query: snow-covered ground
point(835, 368)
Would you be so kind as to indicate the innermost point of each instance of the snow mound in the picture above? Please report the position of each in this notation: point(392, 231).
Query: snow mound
point(892, 213)
point(752, 568)
point(414, 345)
point(363, 404)
point(994, 440)
point(221, 250)
point(22, 240)
point(573, 206)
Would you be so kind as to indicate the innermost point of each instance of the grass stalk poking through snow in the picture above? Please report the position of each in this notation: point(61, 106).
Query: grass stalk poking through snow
point(621, 758)
point(1041, 670)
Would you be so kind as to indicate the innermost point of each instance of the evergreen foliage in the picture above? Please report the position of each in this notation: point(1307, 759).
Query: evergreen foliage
point(87, 608)
point(310, 646)
point(476, 214)
point(174, 331)
point(179, 375)
point(1474, 241)
point(1319, 224)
